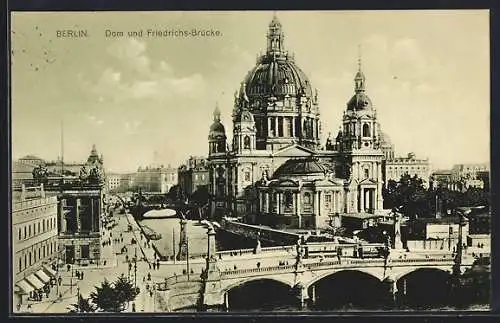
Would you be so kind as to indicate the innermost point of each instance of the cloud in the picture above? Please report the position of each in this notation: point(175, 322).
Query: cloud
point(131, 51)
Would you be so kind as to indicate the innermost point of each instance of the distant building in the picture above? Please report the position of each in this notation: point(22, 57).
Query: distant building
point(480, 220)
point(34, 240)
point(193, 175)
point(436, 229)
point(441, 178)
point(31, 160)
point(22, 173)
point(410, 165)
point(155, 178)
point(113, 181)
point(464, 176)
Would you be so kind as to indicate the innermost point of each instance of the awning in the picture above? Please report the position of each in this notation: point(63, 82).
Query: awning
point(25, 287)
point(50, 271)
point(42, 276)
point(35, 281)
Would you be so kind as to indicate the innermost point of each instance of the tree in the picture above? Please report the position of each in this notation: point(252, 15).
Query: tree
point(104, 297)
point(124, 291)
point(410, 195)
point(82, 306)
point(40, 174)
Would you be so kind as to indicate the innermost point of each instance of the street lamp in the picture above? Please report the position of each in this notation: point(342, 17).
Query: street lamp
point(135, 269)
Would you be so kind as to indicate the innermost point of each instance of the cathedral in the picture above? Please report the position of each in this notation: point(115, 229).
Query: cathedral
point(276, 171)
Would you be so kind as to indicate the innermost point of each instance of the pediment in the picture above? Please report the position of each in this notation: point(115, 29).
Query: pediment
point(294, 151)
point(368, 181)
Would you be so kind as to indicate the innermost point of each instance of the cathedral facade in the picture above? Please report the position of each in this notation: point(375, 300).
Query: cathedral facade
point(276, 171)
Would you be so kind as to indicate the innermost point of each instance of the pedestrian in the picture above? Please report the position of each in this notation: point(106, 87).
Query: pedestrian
point(144, 279)
point(77, 273)
point(122, 240)
point(18, 306)
point(68, 266)
point(151, 293)
point(81, 275)
point(149, 276)
point(29, 307)
point(154, 266)
point(133, 307)
point(157, 262)
point(149, 265)
point(59, 280)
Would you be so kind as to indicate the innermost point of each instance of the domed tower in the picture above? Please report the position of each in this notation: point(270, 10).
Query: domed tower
point(244, 130)
point(386, 144)
point(217, 136)
point(360, 118)
point(279, 96)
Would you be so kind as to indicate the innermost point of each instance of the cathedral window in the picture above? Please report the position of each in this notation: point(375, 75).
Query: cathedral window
point(246, 142)
point(247, 175)
point(366, 130)
point(288, 199)
point(307, 198)
point(367, 173)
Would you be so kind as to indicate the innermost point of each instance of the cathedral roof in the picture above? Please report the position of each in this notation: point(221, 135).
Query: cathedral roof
point(360, 101)
point(276, 73)
point(277, 76)
point(217, 127)
point(303, 166)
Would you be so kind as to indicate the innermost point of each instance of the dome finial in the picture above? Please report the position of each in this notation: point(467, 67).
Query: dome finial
point(275, 37)
point(216, 112)
point(243, 91)
point(359, 80)
point(359, 57)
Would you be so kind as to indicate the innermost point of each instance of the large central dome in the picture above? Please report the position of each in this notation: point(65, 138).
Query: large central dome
point(280, 97)
point(277, 76)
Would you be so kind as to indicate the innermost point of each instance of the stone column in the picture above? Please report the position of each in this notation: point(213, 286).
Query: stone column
point(261, 205)
point(361, 199)
point(78, 220)
point(92, 215)
point(63, 216)
point(379, 198)
point(278, 203)
point(276, 132)
point(298, 205)
point(269, 127)
point(267, 202)
point(226, 301)
point(293, 127)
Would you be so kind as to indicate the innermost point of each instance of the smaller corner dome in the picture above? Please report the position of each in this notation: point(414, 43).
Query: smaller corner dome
point(217, 128)
point(307, 166)
point(360, 101)
point(245, 116)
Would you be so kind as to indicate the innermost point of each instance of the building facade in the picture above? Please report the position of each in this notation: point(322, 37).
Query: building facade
point(34, 240)
point(113, 181)
point(158, 179)
point(276, 119)
point(80, 210)
point(193, 175)
point(410, 165)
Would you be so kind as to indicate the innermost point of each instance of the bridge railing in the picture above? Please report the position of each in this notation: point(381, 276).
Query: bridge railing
point(238, 252)
point(274, 269)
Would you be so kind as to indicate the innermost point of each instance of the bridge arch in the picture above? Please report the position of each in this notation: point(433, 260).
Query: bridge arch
point(242, 282)
point(405, 271)
point(373, 272)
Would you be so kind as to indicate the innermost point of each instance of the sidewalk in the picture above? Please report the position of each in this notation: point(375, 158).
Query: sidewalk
point(148, 252)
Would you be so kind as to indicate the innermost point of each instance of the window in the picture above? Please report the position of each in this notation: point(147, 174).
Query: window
point(246, 142)
point(19, 233)
point(288, 199)
point(29, 231)
point(367, 173)
point(328, 198)
point(38, 227)
point(44, 254)
point(39, 253)
point(84, 249)
point(31, 258)
point(247, 175)
point(307, 198)
point(202, 177)
point(20, 264)
point(196, 177)
point(43, 225)
point(25, 261)
point(366, 130)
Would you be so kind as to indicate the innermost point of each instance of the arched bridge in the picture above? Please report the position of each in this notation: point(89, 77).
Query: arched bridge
point(301, 277)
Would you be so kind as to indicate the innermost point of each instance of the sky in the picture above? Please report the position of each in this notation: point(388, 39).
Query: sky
point(144, 100)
